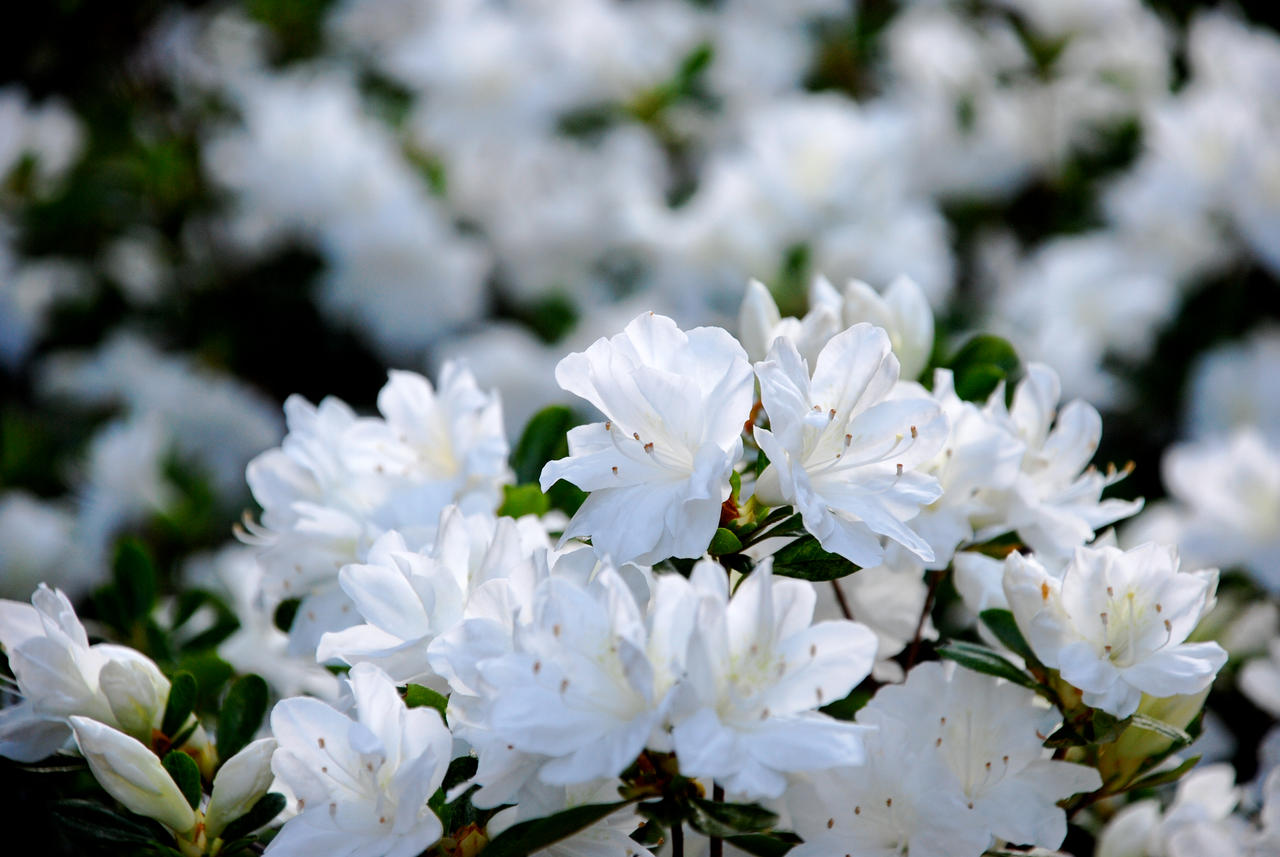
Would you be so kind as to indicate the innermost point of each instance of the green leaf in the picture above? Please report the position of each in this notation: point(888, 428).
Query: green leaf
point(1005, 627)
point(717, 818)
point(764, 845)
point(1161, 778)
point(539, 833)
point(521, 500)
point(984, 660)
point(182, 699)
point(241, 714)
point(1173, 733)
point(804, 558)
point(982, 363)
point(184, 771)
point(847, 708)
point(723, 542)
point(267, 808)
point(417, 696)
point(87, 819)
point(543, 440)
point(134, 575)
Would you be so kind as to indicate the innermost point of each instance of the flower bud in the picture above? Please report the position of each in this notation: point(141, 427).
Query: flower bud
point(758, 319)
point(240, 783)
point(903, 311)
point(136, 691)
point(132, 774)
point(1133, 752)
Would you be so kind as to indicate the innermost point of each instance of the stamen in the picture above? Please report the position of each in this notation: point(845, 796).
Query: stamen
point(914, 434)
point(899, 469)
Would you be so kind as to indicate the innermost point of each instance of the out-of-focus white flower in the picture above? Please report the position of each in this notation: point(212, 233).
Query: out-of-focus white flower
point(1115, 622)
point(59, 675)
point(658, 467)
point(842, 452)
point(36, 544)
point(132, 774)
point(1228, 502)
point(1235, 386)
point(991, 735)
point(1075, 300)
point(239, 783)
point(362, 782)
point(757, 672)
point(1055, 503)
point(257, 646)
point(211, 419)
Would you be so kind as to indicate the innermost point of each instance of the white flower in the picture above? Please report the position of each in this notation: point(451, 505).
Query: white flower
point(408, 598)
point(239, 784)
point(579, 689)
point(843, 454)
point(990, 735)
point(1229, 502)
point(338, 482)
point(1115, 623)
point(760, 322)
point(658, 468)
point(132, 774)
point(362, 784)
point(980, 460)
point(757, 670)
point(59, 674)
point(902, 800)
point(1055, 503)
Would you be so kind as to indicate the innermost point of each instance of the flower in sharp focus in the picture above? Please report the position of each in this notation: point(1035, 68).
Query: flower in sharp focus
point(658, 468)
point(362, 783)
point(1114, 624)
point(990, 735)
point(843, 452)
point(757, 671)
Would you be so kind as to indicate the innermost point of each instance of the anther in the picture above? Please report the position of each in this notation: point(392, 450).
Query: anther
point(857, 810)
point(564, 685)
point(888, 801)
point(831, 822)
point(899, 469)
point(615, 470)
point(831, 414)
point(914, 434)
point(1159, 607)
point(537, 667)
point(320, 741)
point(636, 435)
point(813, 650)
point(648, 447)
point(608, 425)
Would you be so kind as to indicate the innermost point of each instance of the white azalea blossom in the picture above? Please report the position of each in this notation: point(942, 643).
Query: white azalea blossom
point(408, 598)
point(338, 482)
point(658, 467)
point(362, 782)
point(1055, 502)
point(990, 734)
point(843, 452)
point(757, 672)
point(903, 311)
point(1115, 623)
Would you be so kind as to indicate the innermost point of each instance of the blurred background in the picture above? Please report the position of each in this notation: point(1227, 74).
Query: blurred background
point(208, 206)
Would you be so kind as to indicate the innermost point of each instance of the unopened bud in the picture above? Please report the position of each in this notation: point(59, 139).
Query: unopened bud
point(132, 774)
point(136, 691)
point(240, 783)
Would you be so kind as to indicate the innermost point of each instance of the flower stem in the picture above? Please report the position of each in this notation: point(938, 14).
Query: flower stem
point(677, 839)
point(717, 844)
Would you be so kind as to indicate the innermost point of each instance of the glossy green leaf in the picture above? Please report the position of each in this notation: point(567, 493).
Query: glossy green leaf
point(417, 696)
point(241, 714)
point(134, 576)
point(544, 439)
point(521, 500)
point(539, 833)
point(723, 542)
point(986, 661)
point(1005, 627)
point(805, 558)
point(982, 363)
point(182, 699)
point(263, 812)
point(185, 773)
